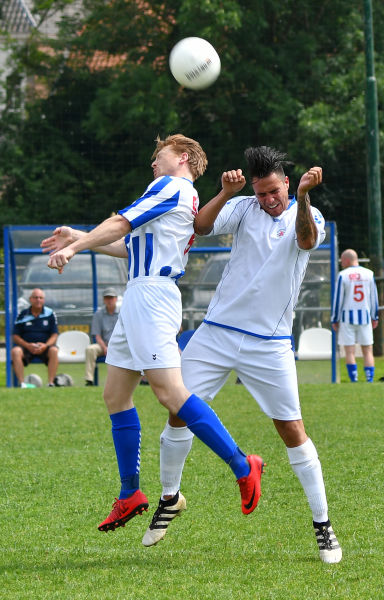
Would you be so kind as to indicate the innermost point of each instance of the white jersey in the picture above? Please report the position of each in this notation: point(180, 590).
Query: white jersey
point(260, 284)
point(356, 300)
point(162, 228)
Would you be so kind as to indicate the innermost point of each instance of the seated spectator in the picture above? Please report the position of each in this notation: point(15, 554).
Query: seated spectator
point(34, 334)
point(103, 322)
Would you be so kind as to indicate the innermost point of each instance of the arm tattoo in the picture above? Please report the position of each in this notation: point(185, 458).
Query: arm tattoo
point(306, 230)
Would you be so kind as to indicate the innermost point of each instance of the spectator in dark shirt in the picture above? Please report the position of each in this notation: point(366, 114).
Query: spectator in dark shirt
point(34, 334)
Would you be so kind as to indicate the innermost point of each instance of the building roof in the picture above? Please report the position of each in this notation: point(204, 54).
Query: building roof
point(15, 17)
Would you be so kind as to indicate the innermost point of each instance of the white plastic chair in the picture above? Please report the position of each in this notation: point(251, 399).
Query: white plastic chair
point(72, 345)
point(315, 343)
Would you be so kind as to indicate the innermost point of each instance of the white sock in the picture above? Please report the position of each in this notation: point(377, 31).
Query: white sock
point(305, 463)
point(175, 444)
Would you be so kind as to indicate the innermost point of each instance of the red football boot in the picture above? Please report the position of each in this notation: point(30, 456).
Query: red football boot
point(250, 486)
point(124, 510)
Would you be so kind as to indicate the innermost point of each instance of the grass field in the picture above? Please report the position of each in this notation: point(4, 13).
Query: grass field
point(308, 371)
point(59, 479)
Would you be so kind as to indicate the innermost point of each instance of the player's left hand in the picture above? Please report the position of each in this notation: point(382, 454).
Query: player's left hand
point(59, 259)
point(60, 238)
point(309, 180)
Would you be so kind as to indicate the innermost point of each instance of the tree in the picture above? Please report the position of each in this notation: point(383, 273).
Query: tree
point(292, 76)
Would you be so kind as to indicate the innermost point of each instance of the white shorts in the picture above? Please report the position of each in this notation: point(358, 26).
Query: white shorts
point(349, 335)
point(266, 368)
point(144, 336)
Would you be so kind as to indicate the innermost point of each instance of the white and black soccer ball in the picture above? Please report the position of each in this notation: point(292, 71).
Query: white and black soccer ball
point(194, 63)
point(63, 380)
point(34, 380)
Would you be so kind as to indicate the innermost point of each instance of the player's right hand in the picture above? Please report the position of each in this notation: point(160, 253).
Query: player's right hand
point(59, 259)
point(233, 181)
point(61, 237)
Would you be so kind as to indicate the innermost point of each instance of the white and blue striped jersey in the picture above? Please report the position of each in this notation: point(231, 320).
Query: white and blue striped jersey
point(356, 300)
point(162, 228)
point(260, 284)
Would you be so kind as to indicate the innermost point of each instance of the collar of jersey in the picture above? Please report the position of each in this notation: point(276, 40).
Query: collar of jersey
point(39, 315)
point(292, 200)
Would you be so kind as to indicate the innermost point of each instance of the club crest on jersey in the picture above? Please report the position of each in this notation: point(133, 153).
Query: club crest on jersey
point(280, 233)
point(354, 276)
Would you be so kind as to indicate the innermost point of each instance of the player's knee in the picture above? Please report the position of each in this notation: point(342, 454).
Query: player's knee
point(291, 432)
point(164, 397)
point(172, 399)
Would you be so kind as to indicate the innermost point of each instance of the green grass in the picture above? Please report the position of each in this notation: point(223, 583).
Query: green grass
point(59, 478)
point(320, 371)
point(308, 371)
point(76, 370)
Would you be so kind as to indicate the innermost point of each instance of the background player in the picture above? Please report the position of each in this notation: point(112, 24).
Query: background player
point(355, 313)
point(159, 232)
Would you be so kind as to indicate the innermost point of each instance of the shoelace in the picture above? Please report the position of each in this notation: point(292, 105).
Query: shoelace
point(158, 512)
point(327, 538)
point(116, 508)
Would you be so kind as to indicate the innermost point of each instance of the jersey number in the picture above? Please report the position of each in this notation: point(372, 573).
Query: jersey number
point(358, 292)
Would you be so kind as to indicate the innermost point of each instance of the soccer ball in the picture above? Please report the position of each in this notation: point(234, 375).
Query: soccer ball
point(34, 380)
point(194, 63)
point(63, 380)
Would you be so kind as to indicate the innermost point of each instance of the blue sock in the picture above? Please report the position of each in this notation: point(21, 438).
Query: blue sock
point(206, 425)
point(369, 373)
point(352, 372)
point(126, 433)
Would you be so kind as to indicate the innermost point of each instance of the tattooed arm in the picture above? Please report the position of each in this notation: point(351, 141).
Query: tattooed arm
point(306, 230)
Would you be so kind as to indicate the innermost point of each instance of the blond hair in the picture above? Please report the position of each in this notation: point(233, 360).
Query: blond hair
point(197, 159)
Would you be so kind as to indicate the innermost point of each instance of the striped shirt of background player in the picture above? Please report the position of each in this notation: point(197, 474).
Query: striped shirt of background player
point(356, 300)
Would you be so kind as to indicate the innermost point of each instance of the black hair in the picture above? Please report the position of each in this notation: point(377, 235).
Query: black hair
point(263, 160)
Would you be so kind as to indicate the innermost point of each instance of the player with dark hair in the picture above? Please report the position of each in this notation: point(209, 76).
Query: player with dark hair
point(248, 325)
point(263, 160)
point(355, 313)
point(158, 232)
